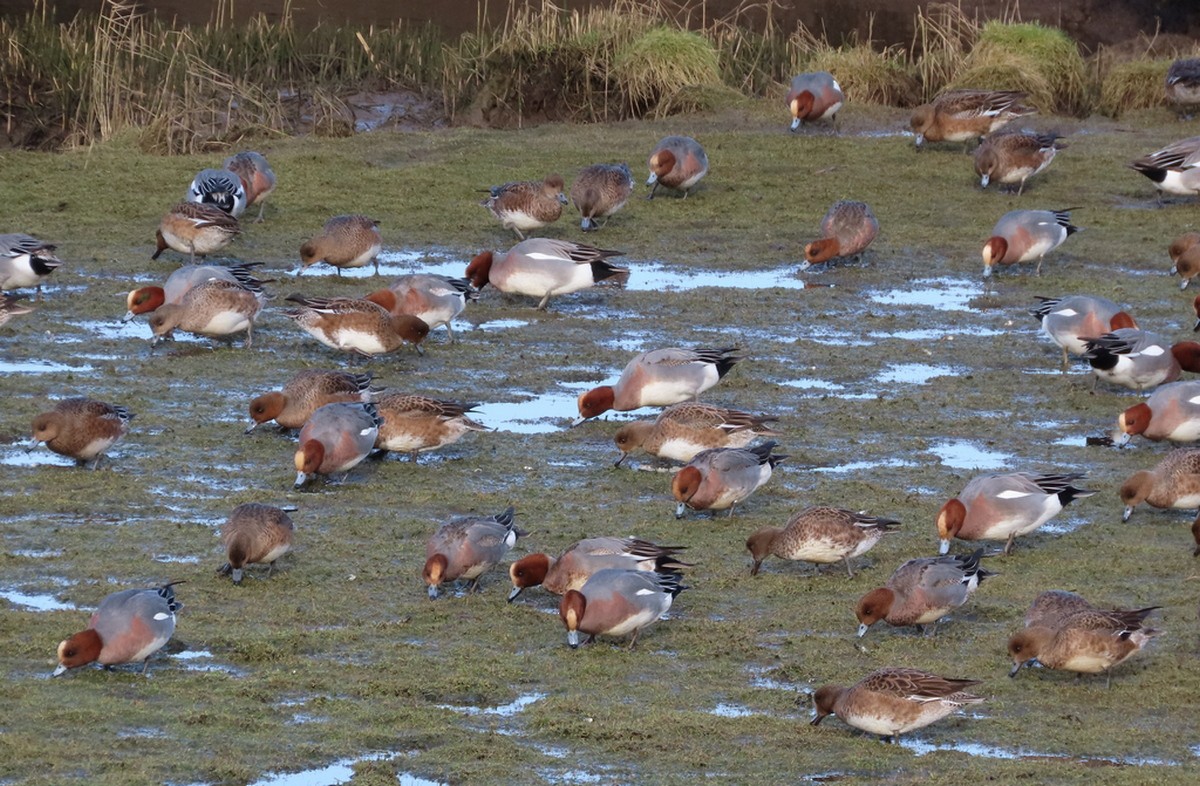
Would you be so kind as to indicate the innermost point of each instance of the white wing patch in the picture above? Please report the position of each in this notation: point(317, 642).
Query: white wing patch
point(160, 616)
point(646, 592)
point(1066, 312)
point(542, 255)
point(1011, 494)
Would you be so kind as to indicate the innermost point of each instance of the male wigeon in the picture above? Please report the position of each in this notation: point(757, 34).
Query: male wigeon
point(1014, 156)
point(143, 300)
point(659, 378)
point(820, 535)
point(433, 299)
point(616, 602)
point(847, 229)
point(467, 547)
point(195, 230)
point(577, 563)
point(344, 242)
point(720, 478)
point(1183, 82)
point(1071, 320)
point(1172, 483)
point(543, 267)
point(128, 626)
point(1024, 235)
point(1174, 169)
point(305, 393)
point(254, 534)
point(336, 438)
point(25, 261)
point(412, 424)
point(258, 179)
point(10, 306)
point(683, 430)
point(964, 115)
point(894, 701)
point(676, 162)
point(814, 96)
point(218, 187)
point(599, 191)
point(358, 326)
point(81, 428)
point(1185, 257)
point(1001, 507)
point(1138, 359)
point(215, 308)
point(1172, 412)
point(922, 591)
point(526, 205)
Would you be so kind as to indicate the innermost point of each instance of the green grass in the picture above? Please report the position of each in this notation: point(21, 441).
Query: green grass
point(1040, 60)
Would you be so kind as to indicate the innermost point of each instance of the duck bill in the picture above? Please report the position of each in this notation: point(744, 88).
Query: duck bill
point(680, 509)
point(31, 444)
point(128, 317)
point(573, 639)
point(622, 458)
point(652, 179)
point(433, 592)
point(1128, 512)
point(301, 479)
point(251, 427)
point(944, 546)
point(862, 629)
point(514, 592)
point(61, 670)
point(1015, 669)
point(983, 181)
point(795, 123)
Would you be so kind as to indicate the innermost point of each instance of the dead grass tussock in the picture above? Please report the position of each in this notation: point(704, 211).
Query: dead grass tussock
point(1134, 84)
point(1027, 56)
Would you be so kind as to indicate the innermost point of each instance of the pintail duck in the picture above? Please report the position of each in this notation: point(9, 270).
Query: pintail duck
point(1173, 483)
point(1001, 507)
point(847, 229)
point(25, 261)
point(433, 299)
point(599, 191)
point(583, 558)
point(336, 438)
point(677, 162)
point(221, 188)
point(1172, 412)
point(1014, 156)
point(890, 702)
point(922, 591)
point(417, 423)
point(543, 267)
point(356, 325)
point(1138, 359)
point(1024, 235)
point(81, 428)
point(527, 204)
point(143, 300)
point(345, 242)
point(215, 308)
point(1174, 169)
point(616, 602)
point(10, 307)
point(258, 179)
point(659, 378)
point(814, 96)
point(195, 230)
point(467, 547)
point(1185, 257)
point(305, 393)
point(255, 534)
point(963, 115)
point(820, 535)
point(720, 478)
point(1072, 320)
point(128, 626)
point(683, 430)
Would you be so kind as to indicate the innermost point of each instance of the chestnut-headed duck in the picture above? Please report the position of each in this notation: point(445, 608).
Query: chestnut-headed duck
point(922, 591)
point(336, 438)
point(814, 96)
point(1183, 82)
point(819, 535)
point(218, 187)
point(1172, 483)
point(215, 308)
point(1172, 412)
point(358, 326)
point(345, 242)
point(847, 229)
point(720, 478)
point(128, 626)
point(676, 162)
point(305, 393)
point(1071, 320)
point(683, 430)
point(1138, 359)
point(81, 428)
point(143, 300)
point(258, 179)
point(10, 306)
point(1185, 257)
point(616, 602)
point(195, 230)
point(26, 261)
point(894, 701)
point(467, 547)
point(964, 115)
point(599, 191)
point(526, 205)
point(1014, 156)
point(433, 299)
point(543, 267)
point(1024, 235)
point(577, 563)
point(1175, 169)
point(659, 378)
point(254, 534)
point(412, 424)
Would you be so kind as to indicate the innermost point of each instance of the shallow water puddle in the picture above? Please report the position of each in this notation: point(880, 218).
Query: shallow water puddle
point(656, 277)
point(37, 553)
point(963, 454)
point(504, 710)
point(339, 772)
point(571, 776)
point(812, 383)
point(915, 373)
point(725, 710)
point(173, 560)
point(921, 748)
point(40, 367)
point(35, 602)
point(500, 324)
point(200, 660)
point(936, 334)
point(859, 466)
point(41, 456)
point(539, 414)
point(943, 294)
point(114, 329)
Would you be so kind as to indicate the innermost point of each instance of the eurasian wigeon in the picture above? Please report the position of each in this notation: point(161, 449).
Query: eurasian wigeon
point(1071, 320)
point(143, 300)
point(676, 162)
point(527, 204)
point(25, 261)
point(1015, 156)
point(433, 299)
point(720, 478)
point(894, 701)
point(128, 626)
point(964, 115)
point(220, 188)
point(820, 535)
point(1185, 257)
point(1172, 483)
point(412, 424)
point(1001, 507)
point(1050, 607)
point(1023, 235)
point(10, 307)
point(1183, 82)
point(258, 179)
point(305, 393)
point(814, 96)
point(1174, 169)
point(81, 428)
point(336, 438)
point(616, 602)
point(1138, 359)
point(847, 229)
point(195, 230)
point(1172, 412)
point(254, 534)
point(599, 191)
point(659, 378)
point(922, 591)
point(358, 326)
point(215, 308)
point(577, 563)
point(345, 242)
point(683, 430)
point(467, 547)
point(543, 267)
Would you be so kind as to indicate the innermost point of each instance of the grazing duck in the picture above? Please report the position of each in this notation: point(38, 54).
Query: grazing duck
point(542, 267)
point(467, 547)
point(616, 602)
point(1174, 169)
point(221, 188)
point(963, 115)
point(144, 300)
point(433, 299)
point(255, 534)
point(1024, 235)
point(305, 393)
point(890, 702)
point(128, 626)
point(583, 558)
point(1183, 82)
point(1014, 156)
point(412, 424)
point(1049, 608)
point(720, 478)
point(215, 308)
point(1185, 257)
point(1072, 320)
point(677, 162)
point(358, 326)
point(820, 535)
point(599, 191)
point(659, 378)
point(258, 179)
point(10, 307)
point(1172, 412)
point(922, 591)
point(814, 96)
point(1138, 359)
point(336, 438)
point(25, 261)
point(345, 242)
point(81, 428)
point(1001, 507)
point(1173, 483)
point(195, 230)
point(683, 430)
point(847, 229)
point(527, 204)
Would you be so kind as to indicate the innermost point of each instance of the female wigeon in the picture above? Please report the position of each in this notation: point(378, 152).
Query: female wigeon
point(1183, 82)
point(25, 261)
point(258, 179)
point(305, 393)
point(659, 378)
point(814, 96)
point(890, 702)
point(81, 428)
point(720, 478)
point(1138, 359)
point(599, 191)
point(433, 299)
point(1174, 169)
point(616, 602)
point(220, 188)
point(542, 267)
point(10, 307)
point(922, 591)
point(1173, 483)
point(345, 242)
point(1185, 257)
point(820, 535)
point(1071, 320)
point(1014, 156)
point(215, 308)
point(1085, 641)
point(676, 162)
point(1023, 235)
point(1172, 412)
point(336, 438)
point(255, 534)
point(527, 204)
point(577, 563)
point(143, 300)
point(467, 547)
point(1001, 507)
point(683, 430)
point(358, 326)
point(963, 115)
point(128, 626)
point(847, 229)
point(412, 424)
point(1050, 607)
point(195, 230)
